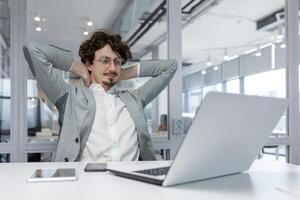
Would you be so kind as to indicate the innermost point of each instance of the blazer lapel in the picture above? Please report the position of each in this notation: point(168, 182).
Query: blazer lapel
point(131, 107)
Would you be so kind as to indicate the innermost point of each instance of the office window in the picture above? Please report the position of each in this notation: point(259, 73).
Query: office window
point(233, 86)
point(194, 99)
point(211, 88)
point(4, 157)
point(271, 84)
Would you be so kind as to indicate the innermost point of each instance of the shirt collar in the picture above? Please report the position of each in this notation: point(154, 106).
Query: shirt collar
point(97, 87)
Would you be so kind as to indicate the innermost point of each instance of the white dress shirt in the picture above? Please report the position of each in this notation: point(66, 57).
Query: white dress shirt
point(113, 136)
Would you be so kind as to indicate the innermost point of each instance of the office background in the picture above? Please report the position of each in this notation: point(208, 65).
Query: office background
point(236, 46)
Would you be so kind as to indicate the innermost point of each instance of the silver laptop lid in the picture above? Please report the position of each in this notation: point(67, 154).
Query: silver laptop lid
point(227, 133)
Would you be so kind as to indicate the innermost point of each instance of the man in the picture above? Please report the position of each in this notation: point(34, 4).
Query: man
point(98, 122)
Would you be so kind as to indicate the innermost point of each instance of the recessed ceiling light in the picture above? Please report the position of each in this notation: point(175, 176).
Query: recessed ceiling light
point(209, 63)
point(89, 23)
point(280, 36)
point(37, 18)
point(283, 45)
point(226, 57)
point(38, 29)
point(85, 33)
point(216, 68)
point(258, 53)
point(203, 72)
point(278, 41)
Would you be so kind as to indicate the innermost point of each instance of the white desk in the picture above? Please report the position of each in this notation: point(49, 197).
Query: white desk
point(268, 181)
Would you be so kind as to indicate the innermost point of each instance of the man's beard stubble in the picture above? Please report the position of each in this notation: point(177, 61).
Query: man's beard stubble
point(111, 81)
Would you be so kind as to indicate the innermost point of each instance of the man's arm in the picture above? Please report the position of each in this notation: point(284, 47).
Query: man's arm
point(46, 63)
point(129, 73)
point(161, 72)
point(82, 71)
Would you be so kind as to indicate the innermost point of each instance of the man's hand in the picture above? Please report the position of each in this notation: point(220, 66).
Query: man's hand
point(81, 70)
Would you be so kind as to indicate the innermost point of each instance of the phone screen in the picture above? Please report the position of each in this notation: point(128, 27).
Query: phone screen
point(95, 167)
point(53, 174)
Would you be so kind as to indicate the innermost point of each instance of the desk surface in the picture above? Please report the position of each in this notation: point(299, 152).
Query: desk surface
point(264, 180)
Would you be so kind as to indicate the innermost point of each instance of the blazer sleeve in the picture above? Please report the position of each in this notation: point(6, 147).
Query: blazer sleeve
point(161, 72)
point(46, 63)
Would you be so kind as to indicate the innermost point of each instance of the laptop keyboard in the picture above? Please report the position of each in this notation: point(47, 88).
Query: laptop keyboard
point(155, 171)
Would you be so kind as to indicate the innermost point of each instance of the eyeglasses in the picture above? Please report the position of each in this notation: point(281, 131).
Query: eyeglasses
point(105, 60)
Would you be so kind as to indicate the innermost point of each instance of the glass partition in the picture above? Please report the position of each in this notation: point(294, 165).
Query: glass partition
point(5, 73)
point(233, 46)
point(230, 46)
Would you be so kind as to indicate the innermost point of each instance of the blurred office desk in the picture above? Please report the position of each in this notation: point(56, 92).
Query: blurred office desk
point(263, 181)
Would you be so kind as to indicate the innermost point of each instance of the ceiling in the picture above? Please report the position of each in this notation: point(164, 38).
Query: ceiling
point(66, 19)
point(230, 24)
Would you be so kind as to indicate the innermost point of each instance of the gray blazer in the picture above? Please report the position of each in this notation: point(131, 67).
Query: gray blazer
point(76, 104)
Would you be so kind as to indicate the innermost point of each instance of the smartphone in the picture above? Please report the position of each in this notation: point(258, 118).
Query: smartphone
point(61, 174)
point(95, 167)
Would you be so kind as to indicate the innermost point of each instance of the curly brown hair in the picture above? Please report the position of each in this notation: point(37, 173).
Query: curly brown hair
point(98, 40)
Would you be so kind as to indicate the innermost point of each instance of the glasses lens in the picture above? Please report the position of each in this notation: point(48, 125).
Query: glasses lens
point(118, 62)
point(105, 60)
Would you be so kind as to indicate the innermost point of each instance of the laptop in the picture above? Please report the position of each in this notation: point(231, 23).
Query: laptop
point(225, 137)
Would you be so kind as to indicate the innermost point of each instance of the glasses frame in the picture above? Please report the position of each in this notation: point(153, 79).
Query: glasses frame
point(115, 61)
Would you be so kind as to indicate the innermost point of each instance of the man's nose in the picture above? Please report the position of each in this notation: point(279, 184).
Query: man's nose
point(112, 66)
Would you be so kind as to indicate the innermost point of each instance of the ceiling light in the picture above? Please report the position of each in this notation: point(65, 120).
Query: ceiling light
point(278, 41)
point(85, 33)
point(283, 45)
point(203, 72)
point(37, 18)
point(226, 57)
point(89, 23)
point(38, 29)
point(208, 63)
point(280, 35)
point(258, 54)
point(216, 68)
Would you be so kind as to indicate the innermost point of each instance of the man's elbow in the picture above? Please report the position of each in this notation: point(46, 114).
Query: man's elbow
point(30, 46)
point(27, 49)
point(174, 64)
